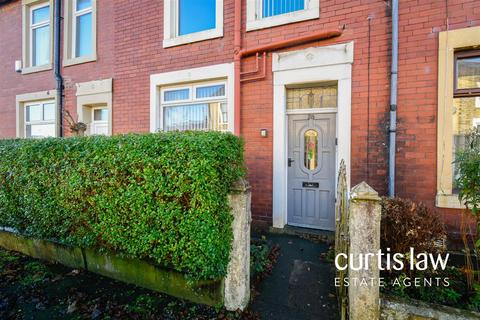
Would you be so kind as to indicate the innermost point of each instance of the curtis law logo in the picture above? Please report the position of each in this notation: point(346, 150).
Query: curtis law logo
point(388, 261)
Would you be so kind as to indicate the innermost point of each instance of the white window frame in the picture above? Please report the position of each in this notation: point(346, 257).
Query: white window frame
point(41, 122)
point(33, 27)
point(192, 99)
point(256, 21)
point(75, 15)
point(171, 37)
point(182, 78)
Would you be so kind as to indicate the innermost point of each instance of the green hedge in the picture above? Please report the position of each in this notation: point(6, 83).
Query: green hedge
point(155, 196)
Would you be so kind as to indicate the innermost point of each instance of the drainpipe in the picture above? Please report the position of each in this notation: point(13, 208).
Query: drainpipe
point(393, 102)
point(57, 66)
point(237, 41)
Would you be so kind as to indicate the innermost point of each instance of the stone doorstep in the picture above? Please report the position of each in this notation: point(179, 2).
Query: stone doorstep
point(307, 233)
point(133, 271)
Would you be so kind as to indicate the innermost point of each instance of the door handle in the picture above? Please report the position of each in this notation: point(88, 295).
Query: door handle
point(290, 160)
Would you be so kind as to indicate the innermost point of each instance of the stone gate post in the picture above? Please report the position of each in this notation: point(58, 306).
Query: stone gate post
point(237, 281)
point(364, 226)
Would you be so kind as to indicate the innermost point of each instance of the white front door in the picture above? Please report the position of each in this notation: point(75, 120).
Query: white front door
point(99, 125)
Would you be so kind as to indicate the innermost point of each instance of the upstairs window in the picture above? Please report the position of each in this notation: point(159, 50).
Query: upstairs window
point(272, 8)
point(80, 31)
point(37, 36)
point(187, 21)
point(195, 107)
point(270, 13)
point(195, 16)
point(82, 28)
point(40, 35)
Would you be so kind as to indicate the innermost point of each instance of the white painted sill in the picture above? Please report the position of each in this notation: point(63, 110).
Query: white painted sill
point(193, 37)
point(36, 69)
point(75, 61)
point(287, 18)
point(449, 201)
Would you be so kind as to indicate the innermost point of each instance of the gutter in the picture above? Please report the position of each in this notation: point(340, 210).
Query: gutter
point(240, 53)
point(57, 64)
point(393, 102)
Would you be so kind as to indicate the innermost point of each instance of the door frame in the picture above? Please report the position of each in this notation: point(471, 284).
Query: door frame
point(303, 67)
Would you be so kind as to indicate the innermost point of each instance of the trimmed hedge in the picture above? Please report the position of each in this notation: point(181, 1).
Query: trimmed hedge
point(155, 196)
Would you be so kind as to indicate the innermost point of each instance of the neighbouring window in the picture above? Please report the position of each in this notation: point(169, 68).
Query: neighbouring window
point(188, 21)
point(40, 120)
point(269, 13)
point(37, 44)
point(195, 107)
point(466, 102)
point(317, 97)
point(80, 31)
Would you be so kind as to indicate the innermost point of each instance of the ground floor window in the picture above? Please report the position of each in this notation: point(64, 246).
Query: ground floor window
point(458, 105)
point(466, 102)
point(199, 106)
point(40, 119)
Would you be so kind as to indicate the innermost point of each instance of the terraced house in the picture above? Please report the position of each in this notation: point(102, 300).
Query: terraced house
point(306, 83)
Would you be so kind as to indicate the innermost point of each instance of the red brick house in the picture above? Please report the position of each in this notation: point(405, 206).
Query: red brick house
point(306, 83)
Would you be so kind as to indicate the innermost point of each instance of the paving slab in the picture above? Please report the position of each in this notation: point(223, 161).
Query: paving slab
point(301, 286)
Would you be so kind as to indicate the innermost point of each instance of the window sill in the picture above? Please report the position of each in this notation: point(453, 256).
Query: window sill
point(309, 14)
point(448, 201)
point(75, 61)
point(193, 37)
point(37, 69)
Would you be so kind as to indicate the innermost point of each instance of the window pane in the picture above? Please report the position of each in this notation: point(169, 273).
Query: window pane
point(468, 73)
point(310, 152)
point(49, 111)
point(195, 16)
point(211, 91)
point(466, 117)
point(186, 117)
point(211, 116)
point(276, 7)
point(83, 45)
point(40, 130)
point(224, 109)
point(83, 4)
point(176, 95)
point(41, 15)
point(312, 98)
point(100, 115)
point(34, 113)
point(41, 46)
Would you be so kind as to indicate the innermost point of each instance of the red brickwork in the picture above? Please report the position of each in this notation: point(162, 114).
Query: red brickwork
point(130, 35)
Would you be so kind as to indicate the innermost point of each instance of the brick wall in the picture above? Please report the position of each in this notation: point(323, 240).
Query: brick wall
point(130, 35)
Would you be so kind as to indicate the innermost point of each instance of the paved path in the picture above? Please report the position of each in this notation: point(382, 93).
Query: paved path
point(301, 284)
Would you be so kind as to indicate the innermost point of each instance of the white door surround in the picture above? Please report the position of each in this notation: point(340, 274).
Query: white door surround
point(309, 66)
